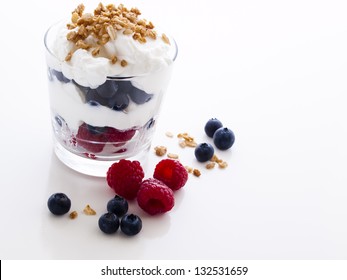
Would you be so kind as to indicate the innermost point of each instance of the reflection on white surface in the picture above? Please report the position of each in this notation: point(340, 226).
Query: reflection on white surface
point(81, 238)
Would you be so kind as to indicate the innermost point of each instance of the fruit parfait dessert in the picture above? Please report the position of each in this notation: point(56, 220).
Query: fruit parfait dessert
point(108, 71)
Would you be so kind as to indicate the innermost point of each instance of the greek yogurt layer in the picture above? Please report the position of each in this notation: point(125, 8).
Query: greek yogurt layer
point(108, 72)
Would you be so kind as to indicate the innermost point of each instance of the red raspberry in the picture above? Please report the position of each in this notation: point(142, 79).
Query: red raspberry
point(125, 178)
point(154, 197)
point(90, 139)
point(172, 173)
point(119, 137)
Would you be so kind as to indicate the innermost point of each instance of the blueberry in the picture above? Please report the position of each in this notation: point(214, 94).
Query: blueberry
point(59, 120)
point(83, 89)
point(131, 224)
point(60, 76)
point(59, 204)
point(119, 102)
point(96, 129)
point(92, 96)
point(223, 138)
point(93, 103)
point(118, 205)
point(108, 223)
point(211, 126)
point(124, 86)
point(204, 152)
point(107, 89)
point(150, 123)
point(49, 74)
point(139, 96)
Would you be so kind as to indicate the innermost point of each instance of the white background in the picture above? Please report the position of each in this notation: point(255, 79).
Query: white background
point(272, 71)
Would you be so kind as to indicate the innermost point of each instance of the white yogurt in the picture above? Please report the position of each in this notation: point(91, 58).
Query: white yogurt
point(91, 71)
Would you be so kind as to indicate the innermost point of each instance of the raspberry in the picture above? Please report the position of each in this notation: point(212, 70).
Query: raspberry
point(90, 138)
point(125, 178)
point(154, 197)
point(116, 136)
point(172, 173)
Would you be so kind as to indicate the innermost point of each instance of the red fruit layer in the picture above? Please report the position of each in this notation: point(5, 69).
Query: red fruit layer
point(93, 139)
point(92, 142)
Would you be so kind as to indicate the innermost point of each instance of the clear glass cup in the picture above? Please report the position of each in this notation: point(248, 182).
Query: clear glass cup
point(94, 127)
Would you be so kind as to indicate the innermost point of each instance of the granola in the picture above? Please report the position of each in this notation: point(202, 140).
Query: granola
point(89, 210)
point(73, 215)
point(104, 24)
point(160, 150)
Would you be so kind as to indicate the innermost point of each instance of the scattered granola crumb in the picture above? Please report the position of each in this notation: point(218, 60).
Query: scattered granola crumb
point(89, 211)
point(216, 159)
point(185, 136)
point(196, 172)
point(223, 164)
point(173, 156)
point(210, 165)
point(187, 140)
point(191, 144)
point(189, 169)
point(73, 215)
point(182, 144)
point(169, 134)
point(160, 150)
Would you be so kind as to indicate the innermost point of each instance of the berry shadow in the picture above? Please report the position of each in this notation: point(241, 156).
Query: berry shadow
point(152, 226)
point(155, 226)
point(78, 238)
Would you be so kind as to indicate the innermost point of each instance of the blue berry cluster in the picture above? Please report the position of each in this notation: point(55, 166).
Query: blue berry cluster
point(223, 139)
point(114, 94)
point(115, 217)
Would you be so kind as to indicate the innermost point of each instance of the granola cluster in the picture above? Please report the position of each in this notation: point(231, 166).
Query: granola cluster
point(104, 25)
point(89, 210)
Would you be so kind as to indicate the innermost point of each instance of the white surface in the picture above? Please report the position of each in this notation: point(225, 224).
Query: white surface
point(272, 71)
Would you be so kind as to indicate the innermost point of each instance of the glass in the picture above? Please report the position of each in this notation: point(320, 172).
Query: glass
point(94, 127)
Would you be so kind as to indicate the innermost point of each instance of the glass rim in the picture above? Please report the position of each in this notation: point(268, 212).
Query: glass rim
point(172, 40)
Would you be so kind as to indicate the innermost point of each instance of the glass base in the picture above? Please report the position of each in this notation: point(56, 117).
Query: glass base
point(92, 167)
